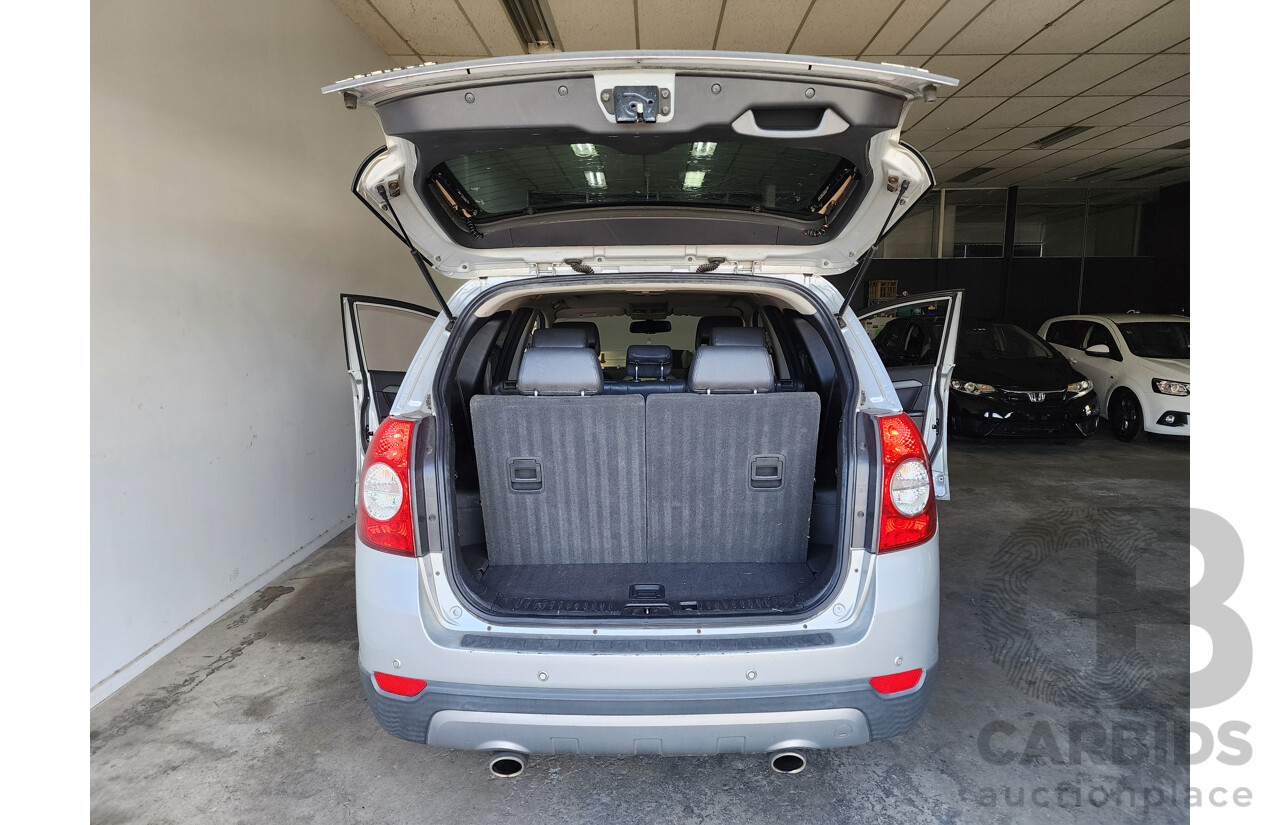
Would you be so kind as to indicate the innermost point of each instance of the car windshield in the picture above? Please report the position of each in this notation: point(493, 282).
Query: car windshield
point(1158, 339)
point(759, 176)
point(1004, 341)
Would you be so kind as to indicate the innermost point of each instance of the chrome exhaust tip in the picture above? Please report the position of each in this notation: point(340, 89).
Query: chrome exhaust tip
point(787, 761)
point(506, 764)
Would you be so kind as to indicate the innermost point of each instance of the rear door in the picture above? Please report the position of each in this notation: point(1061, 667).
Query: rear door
point(706, 163)
point(916, 339)
point(382, 336)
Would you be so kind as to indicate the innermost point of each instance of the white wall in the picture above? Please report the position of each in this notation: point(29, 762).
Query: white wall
point(222, 234)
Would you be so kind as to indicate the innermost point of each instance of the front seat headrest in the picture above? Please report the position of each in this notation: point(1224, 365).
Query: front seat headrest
point(737, 337)
point(705, 325)
point(558, 337)
point(560, 371)
point(731, 369)
point(592, 331)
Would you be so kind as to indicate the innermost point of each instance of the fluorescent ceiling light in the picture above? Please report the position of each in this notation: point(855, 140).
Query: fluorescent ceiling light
point(693, 179)
point(595, 179)
point(583, 150)
point(1059, 136)
point(702, 149)
point(533, 24)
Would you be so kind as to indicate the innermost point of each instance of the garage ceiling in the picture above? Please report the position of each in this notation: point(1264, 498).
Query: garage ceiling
point(1052, 92)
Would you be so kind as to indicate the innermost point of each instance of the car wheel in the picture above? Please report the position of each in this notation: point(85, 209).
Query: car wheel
point(1124, 413)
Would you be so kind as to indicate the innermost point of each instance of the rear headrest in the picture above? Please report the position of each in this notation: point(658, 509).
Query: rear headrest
point(737, 337)
point(560, 371)
point(648, 361)
point(558, 337)
point(592, 331)
point(731, 369)
point(705, 325)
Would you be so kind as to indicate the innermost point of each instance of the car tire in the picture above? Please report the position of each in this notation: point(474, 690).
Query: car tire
point(1124, 414)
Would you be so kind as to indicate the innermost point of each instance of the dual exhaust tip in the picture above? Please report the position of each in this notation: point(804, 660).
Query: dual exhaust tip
point(506, 764)
point(510, 764)
point(787, 761)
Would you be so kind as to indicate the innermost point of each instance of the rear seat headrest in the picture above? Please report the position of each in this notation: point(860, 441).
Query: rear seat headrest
point(648, 361)
point(710, 322)
point(731, 369)
point(560, 371)
point(558, 337)
point(737, 337)
point(592, 331)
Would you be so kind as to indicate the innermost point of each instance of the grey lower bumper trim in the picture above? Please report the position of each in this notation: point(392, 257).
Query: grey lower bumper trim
point(411, 718)
point(660, 735)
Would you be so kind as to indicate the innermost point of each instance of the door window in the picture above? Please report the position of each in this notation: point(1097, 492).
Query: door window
point(1067, 333)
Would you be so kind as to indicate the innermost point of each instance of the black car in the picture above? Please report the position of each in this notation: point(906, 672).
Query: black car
point(1008, 381)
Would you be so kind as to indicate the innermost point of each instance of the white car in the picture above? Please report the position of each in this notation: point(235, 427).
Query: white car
point(571, 539)
point(1140, 366)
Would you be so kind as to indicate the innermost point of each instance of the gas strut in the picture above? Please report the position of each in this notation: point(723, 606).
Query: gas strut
point(865, 263)
point(401, 234)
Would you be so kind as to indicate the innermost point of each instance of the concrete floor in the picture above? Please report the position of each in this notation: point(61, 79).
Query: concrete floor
point(261, 718)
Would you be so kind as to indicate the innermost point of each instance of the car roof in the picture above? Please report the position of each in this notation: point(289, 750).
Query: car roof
point(1120, 317)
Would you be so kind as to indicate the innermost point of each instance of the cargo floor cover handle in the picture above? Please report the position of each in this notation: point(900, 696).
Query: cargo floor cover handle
point(525, 475)
point(765, 472)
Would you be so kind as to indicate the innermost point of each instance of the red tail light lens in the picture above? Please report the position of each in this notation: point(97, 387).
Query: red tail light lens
point(399, 685)
point(896, 682)
point(384, 515)
point(908, 512)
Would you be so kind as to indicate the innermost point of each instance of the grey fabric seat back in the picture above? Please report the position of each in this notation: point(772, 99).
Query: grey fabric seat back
point(561, 472)
point(731, 478)
point(561, 478)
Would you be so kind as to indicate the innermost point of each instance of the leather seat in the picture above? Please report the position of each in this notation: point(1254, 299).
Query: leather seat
point(561, 337)
point(737, 337)
point(561, 467)
point(710, 322)
point(648, 371)
point(592, 331)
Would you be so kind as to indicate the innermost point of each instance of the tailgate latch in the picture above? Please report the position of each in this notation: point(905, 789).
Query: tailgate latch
point(637, 104)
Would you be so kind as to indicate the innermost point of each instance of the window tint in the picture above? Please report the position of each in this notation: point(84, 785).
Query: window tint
point(910, 342)
point(758, 175)
point(1067, 333)
point(1158, 339)
point(993, 341)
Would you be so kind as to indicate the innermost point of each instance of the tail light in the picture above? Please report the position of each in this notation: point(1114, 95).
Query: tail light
point(384, 514)
point(908, 513)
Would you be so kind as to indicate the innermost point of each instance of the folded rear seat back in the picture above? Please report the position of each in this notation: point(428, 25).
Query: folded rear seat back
point(729, 465)
point(561, 472)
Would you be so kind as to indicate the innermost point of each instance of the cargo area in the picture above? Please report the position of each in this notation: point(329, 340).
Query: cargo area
point(673, 456)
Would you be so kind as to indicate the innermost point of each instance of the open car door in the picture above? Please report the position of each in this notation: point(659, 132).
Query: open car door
point(382, 336)
point(916, 339)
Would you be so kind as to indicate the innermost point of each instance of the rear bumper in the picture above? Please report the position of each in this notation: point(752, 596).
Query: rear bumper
point(661, 722)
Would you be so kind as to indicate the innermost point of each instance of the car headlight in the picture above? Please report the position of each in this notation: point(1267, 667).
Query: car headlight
point(1164, 387)
point(1079, 388)
point(971, 388)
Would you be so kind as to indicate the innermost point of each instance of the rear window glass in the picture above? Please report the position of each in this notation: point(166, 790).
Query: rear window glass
point(760, 175)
